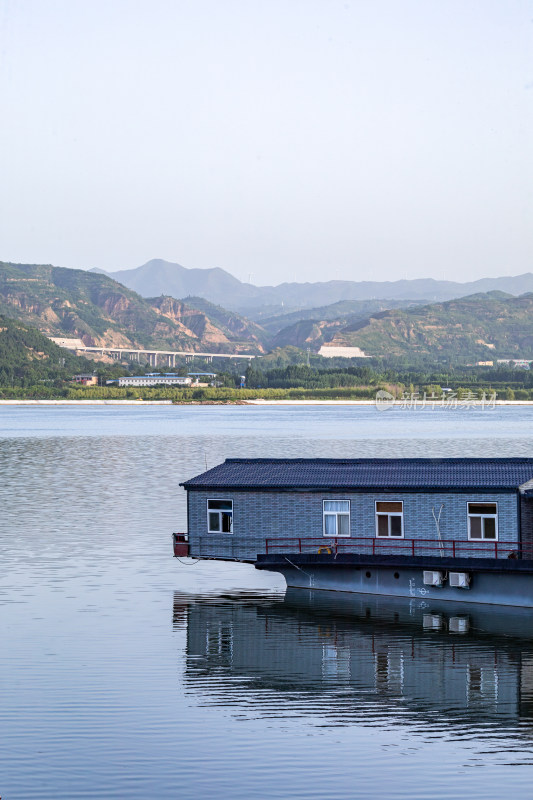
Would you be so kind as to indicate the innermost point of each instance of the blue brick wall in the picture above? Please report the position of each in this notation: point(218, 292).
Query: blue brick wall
point(258, 516)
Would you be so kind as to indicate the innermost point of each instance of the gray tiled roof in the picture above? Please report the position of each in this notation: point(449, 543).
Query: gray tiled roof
point(367, 473)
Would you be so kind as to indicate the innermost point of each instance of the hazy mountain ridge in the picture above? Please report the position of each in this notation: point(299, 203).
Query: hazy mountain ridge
point(220, 287)
point(159, 277)
point(342, 310)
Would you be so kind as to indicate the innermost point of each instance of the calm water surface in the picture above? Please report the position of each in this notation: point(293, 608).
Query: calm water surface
point(127, 674)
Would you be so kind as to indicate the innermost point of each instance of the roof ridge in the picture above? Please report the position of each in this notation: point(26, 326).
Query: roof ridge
point(402, 460)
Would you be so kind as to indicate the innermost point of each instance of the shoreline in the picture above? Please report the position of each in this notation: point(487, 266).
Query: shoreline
point(463, 405)
point(407, 405)
point(140, 403)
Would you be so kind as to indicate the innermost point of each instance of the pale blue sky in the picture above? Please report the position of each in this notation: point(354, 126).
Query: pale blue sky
point(290, 139)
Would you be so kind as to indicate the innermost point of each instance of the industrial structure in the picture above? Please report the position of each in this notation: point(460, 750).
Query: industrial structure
point(153, 357)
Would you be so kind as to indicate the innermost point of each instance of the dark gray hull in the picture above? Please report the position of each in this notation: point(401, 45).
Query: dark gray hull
point(491, 582)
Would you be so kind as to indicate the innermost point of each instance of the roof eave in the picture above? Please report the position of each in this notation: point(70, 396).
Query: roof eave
point(220, 487)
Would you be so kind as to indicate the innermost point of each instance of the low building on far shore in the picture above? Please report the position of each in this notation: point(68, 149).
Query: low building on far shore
point(522, 363)
point(86, 379)
point(153, 379)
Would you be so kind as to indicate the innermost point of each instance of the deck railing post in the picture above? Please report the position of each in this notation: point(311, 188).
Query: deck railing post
point(413, 546)
point(300, 545)
point(495, 549)
point(266, 545)
point(453, 548)
point(373, 547)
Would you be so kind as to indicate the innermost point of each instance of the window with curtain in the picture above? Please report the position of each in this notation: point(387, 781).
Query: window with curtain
point(336, 517)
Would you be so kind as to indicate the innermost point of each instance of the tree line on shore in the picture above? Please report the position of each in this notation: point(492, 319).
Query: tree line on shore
point(31, 366)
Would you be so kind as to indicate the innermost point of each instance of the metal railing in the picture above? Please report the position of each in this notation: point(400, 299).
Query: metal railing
point(366, 545)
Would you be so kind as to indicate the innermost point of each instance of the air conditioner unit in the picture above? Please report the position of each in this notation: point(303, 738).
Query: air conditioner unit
point(461, 580)
point(433, 578)
point(432, 622)
point(458, 624)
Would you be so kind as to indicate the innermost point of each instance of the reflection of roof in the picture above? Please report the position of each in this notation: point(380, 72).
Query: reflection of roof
point(421, 474)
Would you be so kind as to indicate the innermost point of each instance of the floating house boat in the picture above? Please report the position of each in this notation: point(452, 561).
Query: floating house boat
point(446, 529)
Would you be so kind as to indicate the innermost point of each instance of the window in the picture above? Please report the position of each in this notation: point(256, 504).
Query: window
point(483, 521)
point(389, 519)
point(336, 517)
point(220, 516)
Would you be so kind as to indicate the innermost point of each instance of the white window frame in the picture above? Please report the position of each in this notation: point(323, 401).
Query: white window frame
point(336, 515)
point(219, 511)
point(388, 514)
point(482, 516)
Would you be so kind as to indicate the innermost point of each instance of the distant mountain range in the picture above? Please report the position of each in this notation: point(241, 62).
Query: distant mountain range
point(480, 327)
point(94, 307)
point(220, 287)
point(99, 311)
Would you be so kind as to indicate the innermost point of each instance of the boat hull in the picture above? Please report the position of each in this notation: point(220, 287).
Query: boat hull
point(491, 582)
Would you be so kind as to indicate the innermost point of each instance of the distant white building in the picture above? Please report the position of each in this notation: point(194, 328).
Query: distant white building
point(69, 344)
point(341, 352)
point(154, 379)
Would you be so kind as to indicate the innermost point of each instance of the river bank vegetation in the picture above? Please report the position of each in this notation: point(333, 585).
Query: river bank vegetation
point(33, 367)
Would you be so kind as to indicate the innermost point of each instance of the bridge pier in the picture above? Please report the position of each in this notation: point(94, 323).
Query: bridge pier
point(151, 356)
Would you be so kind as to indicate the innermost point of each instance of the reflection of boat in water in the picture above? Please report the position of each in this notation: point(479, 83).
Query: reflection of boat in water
point(363, 657)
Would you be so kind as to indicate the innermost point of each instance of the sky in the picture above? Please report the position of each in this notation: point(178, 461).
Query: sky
point(284, 140)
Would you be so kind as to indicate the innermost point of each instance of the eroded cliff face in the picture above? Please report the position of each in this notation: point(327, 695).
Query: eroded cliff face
point(213, 324)
point(193, 323)
point(113, 304)
point(307, 333)
point(110, 338)
point(169, 307)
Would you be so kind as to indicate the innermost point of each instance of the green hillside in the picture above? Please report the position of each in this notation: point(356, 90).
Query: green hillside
point(481, 327)
point(344, 311)
point(95, 308)
point(28, 358)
